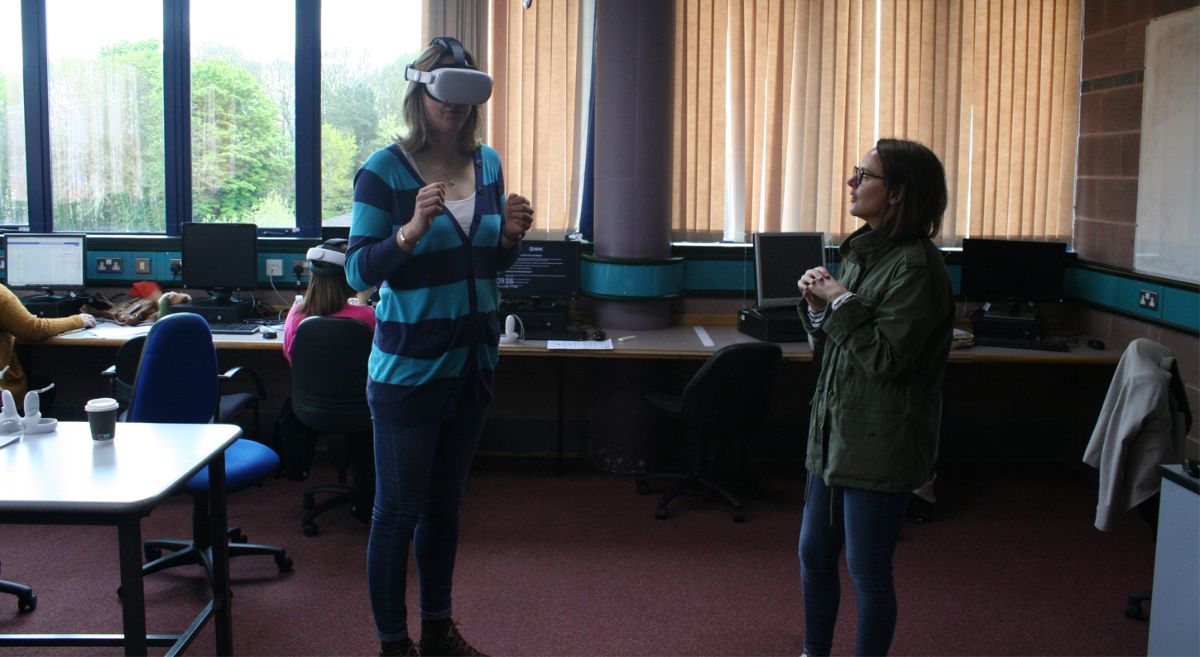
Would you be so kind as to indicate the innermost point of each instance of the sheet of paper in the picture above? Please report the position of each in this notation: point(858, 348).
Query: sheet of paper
point(5, 441)
point(580, 344)
point(107, 330)
point(705, 339)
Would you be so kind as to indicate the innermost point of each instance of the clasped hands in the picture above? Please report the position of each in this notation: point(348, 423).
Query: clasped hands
point(431, 201)
point(819, 287)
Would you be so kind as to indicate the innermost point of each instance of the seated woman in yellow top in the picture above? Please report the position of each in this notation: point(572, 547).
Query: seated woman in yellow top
point(18, 324)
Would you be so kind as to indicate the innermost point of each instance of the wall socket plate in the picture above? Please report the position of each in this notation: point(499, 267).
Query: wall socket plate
point(141, 265)
point(110, 265)
point(1148, 299)
point(274, 267)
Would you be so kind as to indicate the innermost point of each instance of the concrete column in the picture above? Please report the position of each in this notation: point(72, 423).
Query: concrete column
point(634, 60)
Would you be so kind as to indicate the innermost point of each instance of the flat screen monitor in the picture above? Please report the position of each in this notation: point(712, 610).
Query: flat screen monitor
point(46, 262)
point(780, 259)
point(220, 258)
point(1013, 271)
point(544, 270)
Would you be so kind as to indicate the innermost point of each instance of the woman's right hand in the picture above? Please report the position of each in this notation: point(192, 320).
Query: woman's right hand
point(431, 201)
point(808, 282)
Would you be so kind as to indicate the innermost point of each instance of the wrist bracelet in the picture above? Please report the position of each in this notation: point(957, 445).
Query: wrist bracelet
point(405, 240)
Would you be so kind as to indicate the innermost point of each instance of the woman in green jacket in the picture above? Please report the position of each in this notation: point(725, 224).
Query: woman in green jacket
point(884, 325)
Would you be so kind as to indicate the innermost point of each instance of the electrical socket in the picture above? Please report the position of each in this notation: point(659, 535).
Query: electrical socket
point(1148, 299)
point(110, 265)
point(298, 267)
point(274, 267)
point(141, 265)
point(176, 266)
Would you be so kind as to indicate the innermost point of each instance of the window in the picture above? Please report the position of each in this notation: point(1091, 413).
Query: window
point(362, 86)
point(243, 109)
point(106, 115)
point(13, 200)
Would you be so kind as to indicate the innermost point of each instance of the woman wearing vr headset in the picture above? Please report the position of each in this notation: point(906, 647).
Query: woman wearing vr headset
point(328, 293)
point(431, 228)
point(884, 325)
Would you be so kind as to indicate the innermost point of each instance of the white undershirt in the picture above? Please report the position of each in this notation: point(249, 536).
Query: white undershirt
point(463, 211)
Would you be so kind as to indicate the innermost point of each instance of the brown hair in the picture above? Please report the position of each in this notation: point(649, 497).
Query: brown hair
point(328, 289)
point(413, 108)
point(918, 172)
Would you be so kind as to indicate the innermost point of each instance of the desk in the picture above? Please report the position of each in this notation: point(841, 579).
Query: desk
point(66, 478)
point(633, 367)
point(1175, 598)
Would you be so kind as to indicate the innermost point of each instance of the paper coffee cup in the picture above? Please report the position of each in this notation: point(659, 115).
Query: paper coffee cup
point(102, 417)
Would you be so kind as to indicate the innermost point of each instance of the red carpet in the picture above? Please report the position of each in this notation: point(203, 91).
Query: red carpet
point(578, 565)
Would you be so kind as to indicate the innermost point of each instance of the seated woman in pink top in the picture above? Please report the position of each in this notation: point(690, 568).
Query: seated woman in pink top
point(328, 292)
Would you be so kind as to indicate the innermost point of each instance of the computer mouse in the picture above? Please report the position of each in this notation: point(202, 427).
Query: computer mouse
point(267, 334)
point(1095, 344)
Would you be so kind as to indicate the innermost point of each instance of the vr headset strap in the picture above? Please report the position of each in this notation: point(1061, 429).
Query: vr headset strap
point(455, 48)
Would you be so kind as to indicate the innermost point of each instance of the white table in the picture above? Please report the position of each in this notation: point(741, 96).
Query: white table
point(1175, 601)
point(65, 477)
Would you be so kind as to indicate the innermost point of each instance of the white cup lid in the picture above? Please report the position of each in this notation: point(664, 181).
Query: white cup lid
point(101, 404)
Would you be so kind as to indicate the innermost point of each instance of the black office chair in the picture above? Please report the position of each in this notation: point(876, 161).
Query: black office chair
point(242, 388)
point(26, 598)
point(727, 400)
point(329, 396)
point(1147, 371)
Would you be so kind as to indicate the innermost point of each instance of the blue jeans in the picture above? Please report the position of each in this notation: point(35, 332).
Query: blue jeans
point(420, 475)
point(868, 524)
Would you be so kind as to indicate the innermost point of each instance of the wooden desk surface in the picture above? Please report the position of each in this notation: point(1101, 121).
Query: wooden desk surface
point(675, 342)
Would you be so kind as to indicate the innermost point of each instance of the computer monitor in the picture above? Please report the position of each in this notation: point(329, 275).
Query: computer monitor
point(1013, 271)
point(780, 259)
point(46, 262)
point(220, 258)
point(544, 271)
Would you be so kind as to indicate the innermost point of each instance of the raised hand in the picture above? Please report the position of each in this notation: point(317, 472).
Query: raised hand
point(518, 217)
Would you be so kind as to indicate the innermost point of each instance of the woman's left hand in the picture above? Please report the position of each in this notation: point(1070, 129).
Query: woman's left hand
point(821, 284)
point(518, 218)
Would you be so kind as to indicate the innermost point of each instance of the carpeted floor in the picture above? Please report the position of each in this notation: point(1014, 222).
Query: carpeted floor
point(578, 565)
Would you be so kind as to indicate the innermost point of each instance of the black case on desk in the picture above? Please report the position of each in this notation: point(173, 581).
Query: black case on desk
point(217, 312)
point(1006, 327)
point(537, 317)
point(772, 324)
point(64, 307)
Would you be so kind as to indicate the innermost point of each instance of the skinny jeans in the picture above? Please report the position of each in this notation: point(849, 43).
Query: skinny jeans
point(868, 524)
point(420, 476)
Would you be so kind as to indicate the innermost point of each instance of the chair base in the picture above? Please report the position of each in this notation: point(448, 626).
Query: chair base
point(26, 598)
point(1133, 606)
point(341, 494)
point(183, 553)
point(688, 481)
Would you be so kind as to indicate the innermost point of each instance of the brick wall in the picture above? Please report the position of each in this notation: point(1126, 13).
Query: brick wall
point(1110, 117)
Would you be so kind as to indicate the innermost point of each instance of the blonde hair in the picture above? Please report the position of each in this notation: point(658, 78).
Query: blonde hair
point(413, 108)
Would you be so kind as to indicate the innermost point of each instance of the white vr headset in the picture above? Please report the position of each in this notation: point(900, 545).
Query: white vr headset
point(456, 83)
point(326, 256)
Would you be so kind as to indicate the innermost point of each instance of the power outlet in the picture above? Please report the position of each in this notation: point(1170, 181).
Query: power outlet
point(298, 267)
point(110, 265)
point(1148, 299)
point(274, 267)
point(141, 265)
point(176, 266)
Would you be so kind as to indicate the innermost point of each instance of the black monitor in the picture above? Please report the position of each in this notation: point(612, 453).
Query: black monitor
point(220, 258)
point(544, 271)
point(780, 259)
point(45, 262)
point(1013, 271)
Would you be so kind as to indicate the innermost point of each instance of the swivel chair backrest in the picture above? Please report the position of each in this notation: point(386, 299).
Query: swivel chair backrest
point(329, 374)
point(732, 388)
point(177, 376)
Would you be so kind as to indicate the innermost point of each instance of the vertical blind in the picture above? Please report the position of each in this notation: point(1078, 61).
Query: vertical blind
point(775, 101)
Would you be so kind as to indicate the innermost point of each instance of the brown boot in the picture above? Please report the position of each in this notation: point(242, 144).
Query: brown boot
point(440, 638)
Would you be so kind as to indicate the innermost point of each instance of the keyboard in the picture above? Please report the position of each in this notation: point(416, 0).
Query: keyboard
point(560, 334)
point(1022, 343)
point(233, 328)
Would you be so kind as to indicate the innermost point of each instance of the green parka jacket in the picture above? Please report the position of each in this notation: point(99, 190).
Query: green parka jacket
point(877, 406)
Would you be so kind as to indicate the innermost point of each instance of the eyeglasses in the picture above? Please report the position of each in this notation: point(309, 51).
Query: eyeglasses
point(860, 173)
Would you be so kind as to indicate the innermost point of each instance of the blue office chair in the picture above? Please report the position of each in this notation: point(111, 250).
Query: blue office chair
point(177, 381)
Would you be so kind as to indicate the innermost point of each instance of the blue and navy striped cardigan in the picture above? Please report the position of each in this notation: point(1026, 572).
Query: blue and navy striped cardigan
point(436, 322)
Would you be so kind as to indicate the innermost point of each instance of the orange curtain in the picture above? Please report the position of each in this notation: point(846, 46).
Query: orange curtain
point(534, 110)
point(776, 101)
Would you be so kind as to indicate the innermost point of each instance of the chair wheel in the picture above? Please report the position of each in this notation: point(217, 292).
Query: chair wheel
point(27, 602)
point(310, 529)
point(1134, 610)
point(661, 513)
point(152, 553)
point(643, 488)
point(238, 537)
point(283, 563)
point(739, 515)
